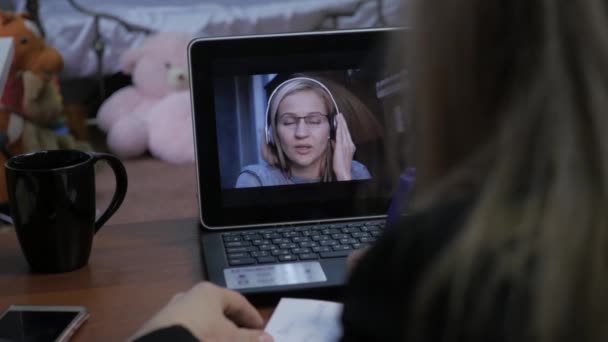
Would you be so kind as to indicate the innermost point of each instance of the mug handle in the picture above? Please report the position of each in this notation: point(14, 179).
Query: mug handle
point(121, 186)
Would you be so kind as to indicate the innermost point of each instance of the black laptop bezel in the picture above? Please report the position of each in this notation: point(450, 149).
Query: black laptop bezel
point(257, 55)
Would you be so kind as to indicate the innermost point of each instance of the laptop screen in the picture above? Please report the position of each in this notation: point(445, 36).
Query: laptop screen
point(304, 135)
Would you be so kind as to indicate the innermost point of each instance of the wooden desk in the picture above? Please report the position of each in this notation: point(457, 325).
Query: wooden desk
point(133, 271)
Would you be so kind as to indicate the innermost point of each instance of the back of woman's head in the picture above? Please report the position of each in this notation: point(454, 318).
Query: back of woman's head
point(519, 90)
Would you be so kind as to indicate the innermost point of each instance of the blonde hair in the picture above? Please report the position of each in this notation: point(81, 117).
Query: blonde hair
point(517, 90)
point(295, 86)
point(362, 123)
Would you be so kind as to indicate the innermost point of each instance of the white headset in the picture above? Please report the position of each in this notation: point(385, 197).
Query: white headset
point(332, 121)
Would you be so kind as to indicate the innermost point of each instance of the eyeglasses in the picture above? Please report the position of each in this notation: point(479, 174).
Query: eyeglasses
point(311, 120)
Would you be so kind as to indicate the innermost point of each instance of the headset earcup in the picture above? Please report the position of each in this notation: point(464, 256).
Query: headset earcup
point(269, 138)
point(333, 124)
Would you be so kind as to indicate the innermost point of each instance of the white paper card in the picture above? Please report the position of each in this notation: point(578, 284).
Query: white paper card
point(305, 320)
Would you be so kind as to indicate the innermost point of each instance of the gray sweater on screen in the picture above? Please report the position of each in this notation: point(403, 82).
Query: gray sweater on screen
point(268, 175)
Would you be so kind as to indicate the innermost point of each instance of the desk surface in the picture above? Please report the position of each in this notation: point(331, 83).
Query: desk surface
point(133, 271)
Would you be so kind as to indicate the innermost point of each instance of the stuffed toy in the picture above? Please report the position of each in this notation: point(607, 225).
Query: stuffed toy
point(31, 110)
point(44, 122)
point(30, 53)
point(154, 114)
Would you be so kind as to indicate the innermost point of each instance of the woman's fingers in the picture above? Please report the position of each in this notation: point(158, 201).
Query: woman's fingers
point(175, 297)
point(240, 311)
point(347, 140)
point(340, 120)
point(343, 150)
point(343, 133)
point(353, 258)
point(338, 133)
point(211, 313)
point(345, 128)
point(247, 335)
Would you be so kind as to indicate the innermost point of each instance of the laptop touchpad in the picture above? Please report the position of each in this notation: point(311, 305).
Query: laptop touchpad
point(274, 275)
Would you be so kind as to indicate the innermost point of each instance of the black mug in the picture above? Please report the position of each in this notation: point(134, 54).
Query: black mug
point(52, 203)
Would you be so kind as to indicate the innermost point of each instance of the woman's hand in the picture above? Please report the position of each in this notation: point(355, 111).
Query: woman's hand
point(354, 257)
point(211, 313)
point(344, 149)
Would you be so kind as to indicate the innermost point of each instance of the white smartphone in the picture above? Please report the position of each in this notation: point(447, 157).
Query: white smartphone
point(40, 323)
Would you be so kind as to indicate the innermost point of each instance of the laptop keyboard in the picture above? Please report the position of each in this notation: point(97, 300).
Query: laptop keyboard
point(289, 244)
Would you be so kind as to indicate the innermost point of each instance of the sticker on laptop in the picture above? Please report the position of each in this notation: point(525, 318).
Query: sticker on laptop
point(274, 275)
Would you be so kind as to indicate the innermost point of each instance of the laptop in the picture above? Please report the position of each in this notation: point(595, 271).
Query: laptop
point(294, 169)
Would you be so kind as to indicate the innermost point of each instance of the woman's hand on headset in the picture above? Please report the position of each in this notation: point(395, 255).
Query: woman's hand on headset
point(344, 150)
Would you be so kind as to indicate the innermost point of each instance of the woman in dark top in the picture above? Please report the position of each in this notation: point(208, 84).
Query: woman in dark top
point(509, 240)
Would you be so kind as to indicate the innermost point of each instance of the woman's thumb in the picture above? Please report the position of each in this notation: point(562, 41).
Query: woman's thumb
point(249, 335)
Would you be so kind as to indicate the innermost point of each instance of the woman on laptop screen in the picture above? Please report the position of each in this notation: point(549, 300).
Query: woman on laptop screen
point(307, 139)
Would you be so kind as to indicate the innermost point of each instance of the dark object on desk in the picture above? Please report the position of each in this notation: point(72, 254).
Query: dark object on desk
point(52, 202)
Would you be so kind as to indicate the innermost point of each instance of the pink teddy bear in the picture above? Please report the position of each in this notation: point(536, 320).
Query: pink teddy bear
point(155, 113)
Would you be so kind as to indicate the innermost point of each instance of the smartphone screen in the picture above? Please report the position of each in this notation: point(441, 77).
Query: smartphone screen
point(35, 325)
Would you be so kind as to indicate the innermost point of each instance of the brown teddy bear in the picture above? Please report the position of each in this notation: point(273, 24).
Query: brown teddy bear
point(45, 127)
point(31, 110)
point(38, 98)
point(30, 53)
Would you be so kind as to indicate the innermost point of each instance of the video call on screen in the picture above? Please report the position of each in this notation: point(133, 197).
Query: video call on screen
point(301, 119)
